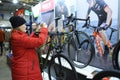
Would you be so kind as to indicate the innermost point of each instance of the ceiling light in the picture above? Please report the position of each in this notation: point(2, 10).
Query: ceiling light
point(24, 4)
point(0, 1)
point(15, 1)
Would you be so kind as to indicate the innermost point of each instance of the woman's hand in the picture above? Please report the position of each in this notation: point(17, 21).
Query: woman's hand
point(42, 25)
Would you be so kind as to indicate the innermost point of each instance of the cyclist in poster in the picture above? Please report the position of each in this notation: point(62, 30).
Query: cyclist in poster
point(104, 13)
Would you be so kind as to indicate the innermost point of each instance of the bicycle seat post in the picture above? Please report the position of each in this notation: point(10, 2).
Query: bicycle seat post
point(56, 23)
point(112, 31)
point(111, 34)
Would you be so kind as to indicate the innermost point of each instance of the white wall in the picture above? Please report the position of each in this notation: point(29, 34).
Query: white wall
point(119, 17)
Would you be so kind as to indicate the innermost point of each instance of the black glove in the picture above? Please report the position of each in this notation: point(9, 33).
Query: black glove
point(37, 33)
point(104, 26)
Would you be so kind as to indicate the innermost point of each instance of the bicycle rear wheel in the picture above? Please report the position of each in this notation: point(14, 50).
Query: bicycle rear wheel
point(81, 54)
point(57, 69)
point(116, 56)
point(107, 75)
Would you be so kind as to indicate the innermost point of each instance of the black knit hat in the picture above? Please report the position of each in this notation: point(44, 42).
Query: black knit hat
point(17, 21)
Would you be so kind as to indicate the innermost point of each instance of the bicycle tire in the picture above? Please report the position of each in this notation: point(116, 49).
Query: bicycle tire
point(107, 74)
point(116, 57)
point(81, 57)
point(59, 71)
point(47, 49)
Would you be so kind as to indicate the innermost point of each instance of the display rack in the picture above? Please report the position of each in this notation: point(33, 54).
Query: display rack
point(87, 72)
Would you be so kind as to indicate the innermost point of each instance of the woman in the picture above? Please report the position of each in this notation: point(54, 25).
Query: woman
point(24, 62)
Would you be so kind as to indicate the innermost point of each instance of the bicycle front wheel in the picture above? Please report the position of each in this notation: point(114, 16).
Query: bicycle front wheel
point(60, 68)
point(107, 75)
point(116, 56)
point(81, 50)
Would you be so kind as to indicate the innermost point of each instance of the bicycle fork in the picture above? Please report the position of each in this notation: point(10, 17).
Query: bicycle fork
point(98, 45)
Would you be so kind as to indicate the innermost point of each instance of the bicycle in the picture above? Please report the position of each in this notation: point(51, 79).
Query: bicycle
point(107, 75)
point(96, 37)
point(116, 56)
point(54, 48)
point(80, 47)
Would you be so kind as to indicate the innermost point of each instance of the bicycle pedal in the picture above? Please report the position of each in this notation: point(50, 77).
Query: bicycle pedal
point(111, 51)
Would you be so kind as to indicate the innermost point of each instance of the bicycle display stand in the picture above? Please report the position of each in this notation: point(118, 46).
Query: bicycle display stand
point(86, 73)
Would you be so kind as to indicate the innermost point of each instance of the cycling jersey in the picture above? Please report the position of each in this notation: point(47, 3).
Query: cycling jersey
point(98, 8)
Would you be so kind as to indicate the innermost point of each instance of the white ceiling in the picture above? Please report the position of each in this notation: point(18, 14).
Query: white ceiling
point(7, 5)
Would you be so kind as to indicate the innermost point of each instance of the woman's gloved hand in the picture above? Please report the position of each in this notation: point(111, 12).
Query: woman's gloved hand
point(42, 25)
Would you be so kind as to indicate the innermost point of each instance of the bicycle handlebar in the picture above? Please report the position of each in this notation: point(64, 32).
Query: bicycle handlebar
point(72, 19)
point(88, 25)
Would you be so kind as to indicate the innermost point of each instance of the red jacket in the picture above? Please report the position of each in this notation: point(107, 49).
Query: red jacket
point(24, 63)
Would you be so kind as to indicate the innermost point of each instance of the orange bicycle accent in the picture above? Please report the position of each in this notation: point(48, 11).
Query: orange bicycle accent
point(98, 44)
point(109, 44)
point(95, 33)
point(99, 47)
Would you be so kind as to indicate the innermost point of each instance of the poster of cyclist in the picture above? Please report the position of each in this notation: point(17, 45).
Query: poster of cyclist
point(103, 15)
